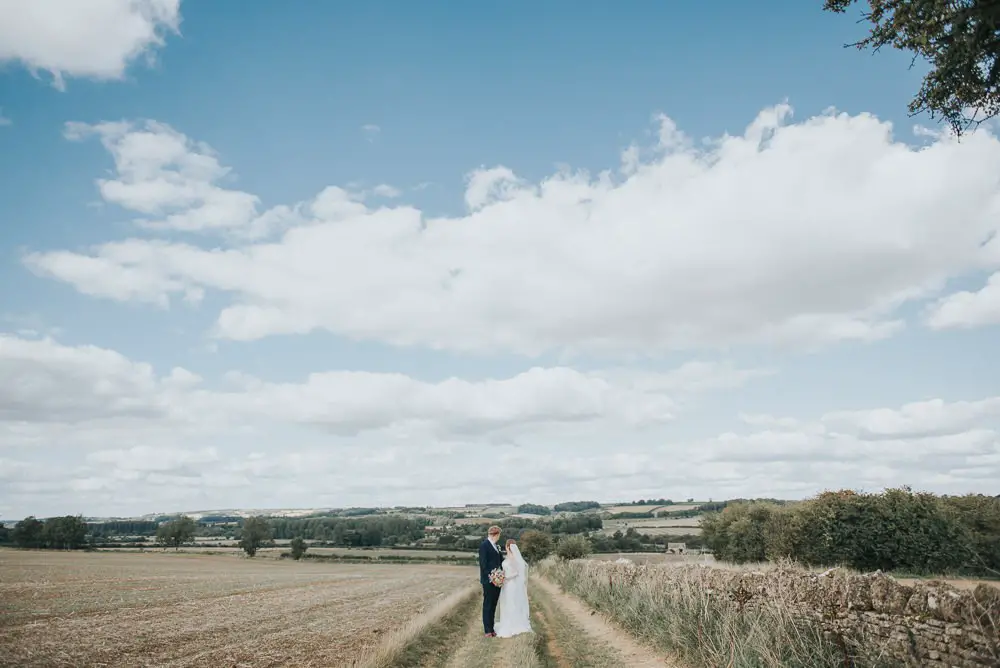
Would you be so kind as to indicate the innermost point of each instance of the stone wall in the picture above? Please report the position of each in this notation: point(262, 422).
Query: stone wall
point(927, 624)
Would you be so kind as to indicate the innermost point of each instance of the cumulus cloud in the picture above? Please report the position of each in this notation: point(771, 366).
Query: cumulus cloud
point(797, 234)
point(95, 39)
point(67, 385)
point(966, 309)
point(87, 429)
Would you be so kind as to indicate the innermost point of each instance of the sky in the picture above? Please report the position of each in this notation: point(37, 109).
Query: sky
point(285, 255)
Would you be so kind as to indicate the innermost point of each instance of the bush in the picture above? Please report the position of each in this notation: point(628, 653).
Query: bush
point(573, 547)
point(897, 530)
point(298, 547)
point(535, 545)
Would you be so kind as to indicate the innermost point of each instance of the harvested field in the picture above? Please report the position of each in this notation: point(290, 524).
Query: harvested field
point(141, 609)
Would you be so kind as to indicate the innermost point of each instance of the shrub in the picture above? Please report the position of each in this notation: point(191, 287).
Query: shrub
point(298, 547)
point(535, 545)
point(573, 547)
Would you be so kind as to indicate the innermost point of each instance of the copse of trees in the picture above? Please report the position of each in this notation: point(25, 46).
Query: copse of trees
point(368, 531)
point(55, 533)
point(176, 532)
point(533, 509)
point(897, 530)
point(576, 506)
point(114, 528)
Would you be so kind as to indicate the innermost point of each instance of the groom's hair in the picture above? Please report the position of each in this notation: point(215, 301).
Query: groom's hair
point(493, 531)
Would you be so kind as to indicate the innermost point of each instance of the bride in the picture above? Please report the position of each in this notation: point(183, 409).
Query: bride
point(513, 606)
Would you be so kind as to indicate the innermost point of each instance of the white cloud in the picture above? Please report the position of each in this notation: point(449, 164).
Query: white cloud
point(387, 191)
point(164, 174)
point(4, 121)
point(968, 309)
point(337, 438)
point(51, 383)
point(371, 131)
point(797, 234)
point(96, 39)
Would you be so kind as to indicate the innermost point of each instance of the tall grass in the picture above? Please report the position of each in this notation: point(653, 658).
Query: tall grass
point(671, 610)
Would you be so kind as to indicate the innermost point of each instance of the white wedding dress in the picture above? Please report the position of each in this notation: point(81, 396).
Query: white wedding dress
point(513, 607)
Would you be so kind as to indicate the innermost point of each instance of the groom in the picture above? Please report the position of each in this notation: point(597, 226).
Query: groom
point(490, 557)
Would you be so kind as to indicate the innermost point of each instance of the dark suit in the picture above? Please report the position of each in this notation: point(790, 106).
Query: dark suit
point(489, 558)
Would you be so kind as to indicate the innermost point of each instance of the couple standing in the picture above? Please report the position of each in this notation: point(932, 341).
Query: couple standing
point(512, 596)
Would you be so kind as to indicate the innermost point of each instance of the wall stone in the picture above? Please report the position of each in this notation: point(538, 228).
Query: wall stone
point(926, 624)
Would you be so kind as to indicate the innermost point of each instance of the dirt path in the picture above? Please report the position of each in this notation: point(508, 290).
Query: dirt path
point(596, 627)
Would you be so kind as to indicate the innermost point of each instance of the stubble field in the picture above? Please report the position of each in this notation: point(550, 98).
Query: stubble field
point(155, 609)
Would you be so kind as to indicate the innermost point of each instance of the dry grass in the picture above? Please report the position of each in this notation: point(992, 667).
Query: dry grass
point(426, 637)
point(117, 609)
point(516, 652)
point(674, 613)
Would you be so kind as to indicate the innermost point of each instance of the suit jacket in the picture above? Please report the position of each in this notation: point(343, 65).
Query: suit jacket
point(489, 558)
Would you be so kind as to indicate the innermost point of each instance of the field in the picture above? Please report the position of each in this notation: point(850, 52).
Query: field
point(230, 548)
point(139, 609)
point(186, 609)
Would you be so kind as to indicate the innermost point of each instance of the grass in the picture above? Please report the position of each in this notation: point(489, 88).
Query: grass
point(429, 638)
point(670, 610)
point(517, 652)
point(560, 642)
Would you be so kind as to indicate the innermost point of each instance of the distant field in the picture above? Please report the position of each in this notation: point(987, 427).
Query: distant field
point(474, 520)
point(653, 558)
point(656, 522)
point(275, 552)
point(632, 509)
point(142, 609)
point(610, 529)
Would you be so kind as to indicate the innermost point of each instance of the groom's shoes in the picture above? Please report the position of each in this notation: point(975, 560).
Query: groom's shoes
point(491, 635)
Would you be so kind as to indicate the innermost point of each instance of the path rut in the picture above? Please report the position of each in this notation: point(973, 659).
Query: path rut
point(596, 626)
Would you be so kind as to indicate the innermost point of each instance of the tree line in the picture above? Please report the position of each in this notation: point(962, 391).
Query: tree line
point(55, 533)
point(895, 530)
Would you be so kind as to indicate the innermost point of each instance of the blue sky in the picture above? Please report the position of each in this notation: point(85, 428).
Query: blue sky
point(325, 255)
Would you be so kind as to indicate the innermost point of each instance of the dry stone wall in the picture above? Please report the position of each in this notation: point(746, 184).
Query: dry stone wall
point(928, 624)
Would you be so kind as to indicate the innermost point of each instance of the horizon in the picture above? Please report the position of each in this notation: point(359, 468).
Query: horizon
point(332, 256)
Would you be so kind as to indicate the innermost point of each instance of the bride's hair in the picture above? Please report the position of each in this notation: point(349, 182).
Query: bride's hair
point(510, 541)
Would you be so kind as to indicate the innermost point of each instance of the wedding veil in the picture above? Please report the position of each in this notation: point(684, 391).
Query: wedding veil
point(516, 553)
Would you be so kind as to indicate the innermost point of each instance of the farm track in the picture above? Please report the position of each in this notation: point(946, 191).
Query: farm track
point(581, 637)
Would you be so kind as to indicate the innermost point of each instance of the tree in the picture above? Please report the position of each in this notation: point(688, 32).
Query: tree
point(64, 533)
point(576, 506)
point(960, 39)
point(176, 532)
point(535, 545)
point(256, 531)
point(298, 548)
point(573, 547)
point(28, 533)
point(533, 509)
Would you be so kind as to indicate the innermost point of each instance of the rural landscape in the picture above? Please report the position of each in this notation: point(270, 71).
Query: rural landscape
point(666, 331)
point(676, 584)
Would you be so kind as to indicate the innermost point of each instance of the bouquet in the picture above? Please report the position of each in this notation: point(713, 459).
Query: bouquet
point(496, 577)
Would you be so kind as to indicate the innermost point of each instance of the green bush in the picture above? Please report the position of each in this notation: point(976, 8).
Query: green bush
point(896, 530)
point(298, 547)
point(535, 545)
point(573, 547)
